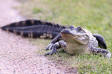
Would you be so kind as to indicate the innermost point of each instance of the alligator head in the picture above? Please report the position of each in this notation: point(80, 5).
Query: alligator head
point(75, 35)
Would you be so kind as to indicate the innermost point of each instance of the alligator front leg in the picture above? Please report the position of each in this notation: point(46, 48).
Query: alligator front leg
point(101, 51)
point(55, 46)
point(56, 39)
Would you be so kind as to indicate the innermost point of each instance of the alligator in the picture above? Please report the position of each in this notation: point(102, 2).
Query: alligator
point(72, 40)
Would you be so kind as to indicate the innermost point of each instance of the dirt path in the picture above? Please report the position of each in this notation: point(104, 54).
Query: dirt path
point(17, 55)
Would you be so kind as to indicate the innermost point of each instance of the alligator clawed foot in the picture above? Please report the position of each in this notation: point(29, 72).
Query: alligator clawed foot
point(108, 55)
point(53, 48)
point(49, 53)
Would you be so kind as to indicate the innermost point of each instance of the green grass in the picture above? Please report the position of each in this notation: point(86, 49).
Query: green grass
point(94, 15)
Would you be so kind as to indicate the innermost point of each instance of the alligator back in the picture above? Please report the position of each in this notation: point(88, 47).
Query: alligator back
point(34, 28)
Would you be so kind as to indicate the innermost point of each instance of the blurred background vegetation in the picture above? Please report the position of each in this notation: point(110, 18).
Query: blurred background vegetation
point(94, 15)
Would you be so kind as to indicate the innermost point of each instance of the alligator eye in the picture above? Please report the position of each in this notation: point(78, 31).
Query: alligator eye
point(79, 28)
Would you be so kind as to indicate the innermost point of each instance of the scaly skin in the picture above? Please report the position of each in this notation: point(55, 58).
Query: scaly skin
point(77, 41)
point(34, 28)
point(40, 29)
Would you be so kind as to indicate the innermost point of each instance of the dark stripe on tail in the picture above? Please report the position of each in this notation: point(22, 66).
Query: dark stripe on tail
point(34, 28)
point(30, 22)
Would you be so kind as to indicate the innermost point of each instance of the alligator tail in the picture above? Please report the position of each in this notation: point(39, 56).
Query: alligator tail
point(34, 28)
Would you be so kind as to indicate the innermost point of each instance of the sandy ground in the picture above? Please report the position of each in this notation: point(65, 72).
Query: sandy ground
point(17, 55)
